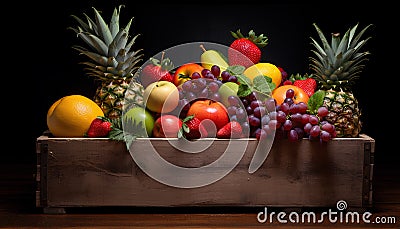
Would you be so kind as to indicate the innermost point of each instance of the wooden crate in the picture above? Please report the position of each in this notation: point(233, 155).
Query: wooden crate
point(83, 172)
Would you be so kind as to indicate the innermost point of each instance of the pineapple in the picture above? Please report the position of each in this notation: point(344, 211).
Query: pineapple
point(111, 62)
point(336, 67)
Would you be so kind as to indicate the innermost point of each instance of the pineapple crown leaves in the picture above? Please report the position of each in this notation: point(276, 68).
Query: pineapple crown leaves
point(109, 46)
point(339, 63)
point(260, 40)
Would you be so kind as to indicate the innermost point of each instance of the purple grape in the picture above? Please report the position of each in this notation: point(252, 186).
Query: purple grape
point(293, 136)
point(215, 70)
point(274, 124)
point(297, 117)
point(209, 76)
point(232, 79)
point(187, 85)
point(225, 76)
point(272, 115)
point(253, 120)
point(245, 102)
point(265, 119)
point(328, 127)
point(249, 110)
point(201, 83)
point(289, 101)
point(300, 132)
point(231, 110)
point(287, 125)
point(325, 136)
point(302, 107)
point(290, 93)
point(261, 135)
point(241, 114)
point(215, 97)
point(307, 127)
point(305, 118)
point(281, 116)
point(245, 128)
point(213, 87)
point(294, 108)
point(259, 112)
point(285, 108)
point(252, 96)
point(270, 104)
point(205, 71)
point(203, 93)
point(233, 100)
point(313, 120)
point(255, 103)
point(322, 112)
point(196, 75)
point(315, 131)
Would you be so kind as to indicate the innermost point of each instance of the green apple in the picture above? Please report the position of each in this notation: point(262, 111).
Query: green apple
point(140, 119)
point(227, 89)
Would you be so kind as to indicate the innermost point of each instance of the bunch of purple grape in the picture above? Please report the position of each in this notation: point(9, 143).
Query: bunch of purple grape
point(251, 112)
point(294, 121)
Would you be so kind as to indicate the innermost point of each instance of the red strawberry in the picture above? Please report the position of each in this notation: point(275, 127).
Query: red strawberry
point(157, 71)
point(193, 129)
point(308, 85)
point(232, 129)
point(247, 46)
point(100, 127)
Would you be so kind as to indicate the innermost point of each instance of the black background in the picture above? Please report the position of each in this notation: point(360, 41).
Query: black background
point(45, 68)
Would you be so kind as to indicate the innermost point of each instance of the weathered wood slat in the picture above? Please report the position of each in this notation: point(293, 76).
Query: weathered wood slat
point(99, 172)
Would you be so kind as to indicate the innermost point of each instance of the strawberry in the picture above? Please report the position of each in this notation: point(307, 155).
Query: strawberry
point(308, 85)
point(156, 71)
point(100, 127)
point(232, 129)
point(192, 128)
point(248, 46)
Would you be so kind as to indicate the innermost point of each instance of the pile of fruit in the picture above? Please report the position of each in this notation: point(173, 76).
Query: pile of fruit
point(233, 96)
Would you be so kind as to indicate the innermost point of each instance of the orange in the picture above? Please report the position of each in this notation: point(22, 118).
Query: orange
point(72, 115)
point(279, 94)
point(265, 69)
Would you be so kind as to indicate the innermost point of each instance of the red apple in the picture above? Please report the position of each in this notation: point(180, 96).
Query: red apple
point(184, 72)
point(211, 110)
point(161, 96)
point(167, 126)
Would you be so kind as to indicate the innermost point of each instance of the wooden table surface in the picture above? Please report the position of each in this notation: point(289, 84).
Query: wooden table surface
point(17, 208)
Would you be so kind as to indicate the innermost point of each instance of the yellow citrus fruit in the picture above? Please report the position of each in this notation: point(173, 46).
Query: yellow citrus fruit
point(72, 115)
point(265, 69)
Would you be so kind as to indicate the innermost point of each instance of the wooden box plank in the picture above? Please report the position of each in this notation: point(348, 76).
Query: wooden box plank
point(79, 172)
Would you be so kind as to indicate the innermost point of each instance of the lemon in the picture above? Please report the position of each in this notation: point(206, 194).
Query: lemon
point(71, 116)
point(265, 69)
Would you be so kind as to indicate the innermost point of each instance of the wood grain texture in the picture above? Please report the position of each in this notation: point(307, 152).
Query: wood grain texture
point(99, 172)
